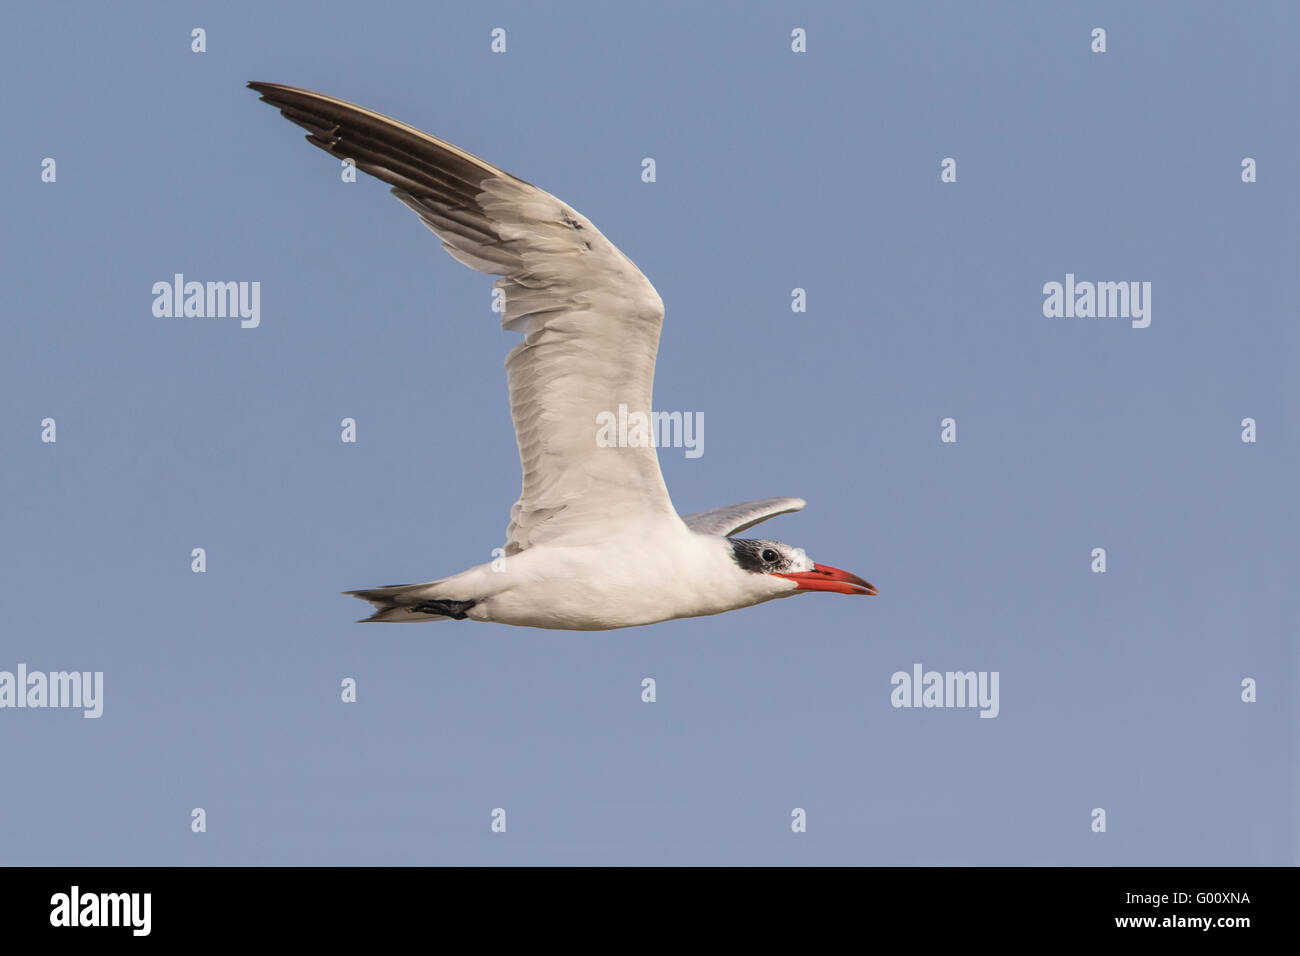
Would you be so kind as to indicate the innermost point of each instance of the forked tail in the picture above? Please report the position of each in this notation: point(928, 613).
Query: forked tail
point(402, 603)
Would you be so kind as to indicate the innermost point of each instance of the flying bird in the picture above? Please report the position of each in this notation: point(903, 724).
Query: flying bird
point(594, 542)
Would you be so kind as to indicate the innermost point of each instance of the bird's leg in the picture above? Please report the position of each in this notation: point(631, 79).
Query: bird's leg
point(452, 609)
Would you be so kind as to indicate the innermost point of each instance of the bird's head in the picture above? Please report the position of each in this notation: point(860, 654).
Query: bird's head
point(792, 570)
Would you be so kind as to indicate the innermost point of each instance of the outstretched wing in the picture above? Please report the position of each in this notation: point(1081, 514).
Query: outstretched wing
point(733, 519)
point(590, 319)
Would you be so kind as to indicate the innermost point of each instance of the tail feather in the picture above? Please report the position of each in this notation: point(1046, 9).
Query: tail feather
point(402, 603)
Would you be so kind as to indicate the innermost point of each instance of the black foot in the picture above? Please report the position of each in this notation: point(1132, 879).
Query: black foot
point(452, 609)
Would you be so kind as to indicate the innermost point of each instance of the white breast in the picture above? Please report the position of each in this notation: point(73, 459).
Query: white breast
point(638, 577)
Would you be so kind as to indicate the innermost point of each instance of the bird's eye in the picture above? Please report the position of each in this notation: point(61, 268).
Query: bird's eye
point(768, 555)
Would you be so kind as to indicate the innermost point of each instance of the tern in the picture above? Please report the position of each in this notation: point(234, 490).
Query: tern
point(594, 542)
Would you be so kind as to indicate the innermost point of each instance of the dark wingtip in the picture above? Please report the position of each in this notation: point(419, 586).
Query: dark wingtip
point(269, 92)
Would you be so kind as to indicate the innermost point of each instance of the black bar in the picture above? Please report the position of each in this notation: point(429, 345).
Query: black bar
point(377, 904)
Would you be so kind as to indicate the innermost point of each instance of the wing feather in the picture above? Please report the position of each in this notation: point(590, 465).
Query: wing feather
point(732, 519)
point(590, 319)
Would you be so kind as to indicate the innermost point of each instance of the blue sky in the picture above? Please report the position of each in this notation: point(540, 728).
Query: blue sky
point(775, 170)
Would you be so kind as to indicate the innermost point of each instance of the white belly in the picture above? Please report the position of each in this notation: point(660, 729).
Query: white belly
point(621, 582)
